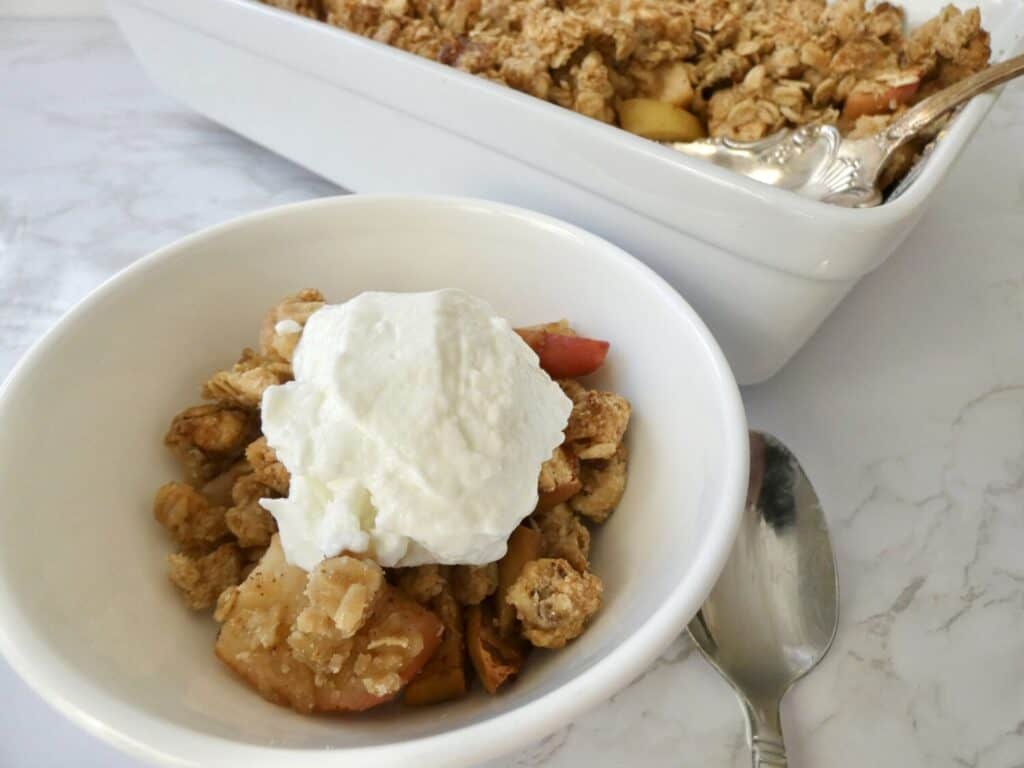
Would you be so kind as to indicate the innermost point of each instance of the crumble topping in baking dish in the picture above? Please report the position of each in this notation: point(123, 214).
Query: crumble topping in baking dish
point(674, 70)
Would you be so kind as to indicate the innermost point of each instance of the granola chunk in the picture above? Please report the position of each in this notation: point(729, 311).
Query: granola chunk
point(246, 519)
point(310, 8)
point(266, 467)
point(559, 478)
point(604, 482)
point(382, 654)
point(554, 601)
point(564, 536)
point(254, 554)
point(954, 37)
point(342, 592)
point(422, 582)
point(202, 578)
point(253, 527)
point(324, 653)
point(218, 490)
point(592, 89)
point(209, 438)
point(596, 424)
point(573, 390)
point(246, 381)
point(188, 515)
point(282, 325)
point(473, 584)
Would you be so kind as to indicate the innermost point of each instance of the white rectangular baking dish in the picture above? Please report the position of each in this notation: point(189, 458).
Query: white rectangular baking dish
point(763, 267)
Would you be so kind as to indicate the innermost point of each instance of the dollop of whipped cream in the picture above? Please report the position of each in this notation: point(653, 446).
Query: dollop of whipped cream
point(414, 431)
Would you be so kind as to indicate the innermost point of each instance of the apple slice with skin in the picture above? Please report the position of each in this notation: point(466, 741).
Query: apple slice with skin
point(865, 102)
point(565, 356)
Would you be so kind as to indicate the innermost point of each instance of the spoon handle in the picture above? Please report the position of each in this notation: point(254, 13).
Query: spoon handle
point(767, 747)
point(920, 116)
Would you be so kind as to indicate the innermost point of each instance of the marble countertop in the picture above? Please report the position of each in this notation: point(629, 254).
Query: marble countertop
point(907, 409)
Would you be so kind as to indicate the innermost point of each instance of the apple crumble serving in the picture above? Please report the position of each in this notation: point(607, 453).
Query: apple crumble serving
point(678, 70)
point(349, 633)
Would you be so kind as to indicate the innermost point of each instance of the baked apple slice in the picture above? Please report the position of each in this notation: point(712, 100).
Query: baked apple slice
point(524, 545)
point(444, 678)
point(562, 353)
point(496, 659)
point(305, 655)
point(883, 98)
point(559, 479)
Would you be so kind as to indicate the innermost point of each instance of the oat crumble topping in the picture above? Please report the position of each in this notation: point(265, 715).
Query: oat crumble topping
point(350, 635)
point(742, 68)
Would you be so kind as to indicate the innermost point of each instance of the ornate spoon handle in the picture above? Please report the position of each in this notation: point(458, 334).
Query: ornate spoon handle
point(923, 114)
point(817, 162)
point(767, 748)
point(868, 156)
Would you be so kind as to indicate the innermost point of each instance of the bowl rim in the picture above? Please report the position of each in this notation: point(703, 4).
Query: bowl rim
point(164, 742)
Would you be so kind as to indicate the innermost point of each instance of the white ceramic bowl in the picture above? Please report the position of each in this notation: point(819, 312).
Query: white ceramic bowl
point(87, 616)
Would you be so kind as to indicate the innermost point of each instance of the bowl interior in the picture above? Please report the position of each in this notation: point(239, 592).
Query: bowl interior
point(86, 612)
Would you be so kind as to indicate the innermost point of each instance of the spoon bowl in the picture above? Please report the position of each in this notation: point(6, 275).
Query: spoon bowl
point(816, 161)
point(774, 611)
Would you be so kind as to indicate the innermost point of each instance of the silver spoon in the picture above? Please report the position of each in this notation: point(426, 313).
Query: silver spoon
point(773, 613)
point(816, 161)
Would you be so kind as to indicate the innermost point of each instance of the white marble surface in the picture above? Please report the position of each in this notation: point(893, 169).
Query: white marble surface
point(907, 409)
point(53, 9)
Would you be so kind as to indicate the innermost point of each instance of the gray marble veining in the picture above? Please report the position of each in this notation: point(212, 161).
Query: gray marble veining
point(907, 410)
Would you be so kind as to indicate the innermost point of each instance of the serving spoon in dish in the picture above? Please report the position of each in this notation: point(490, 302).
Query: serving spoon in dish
point(815, 161)
point(774, 611)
